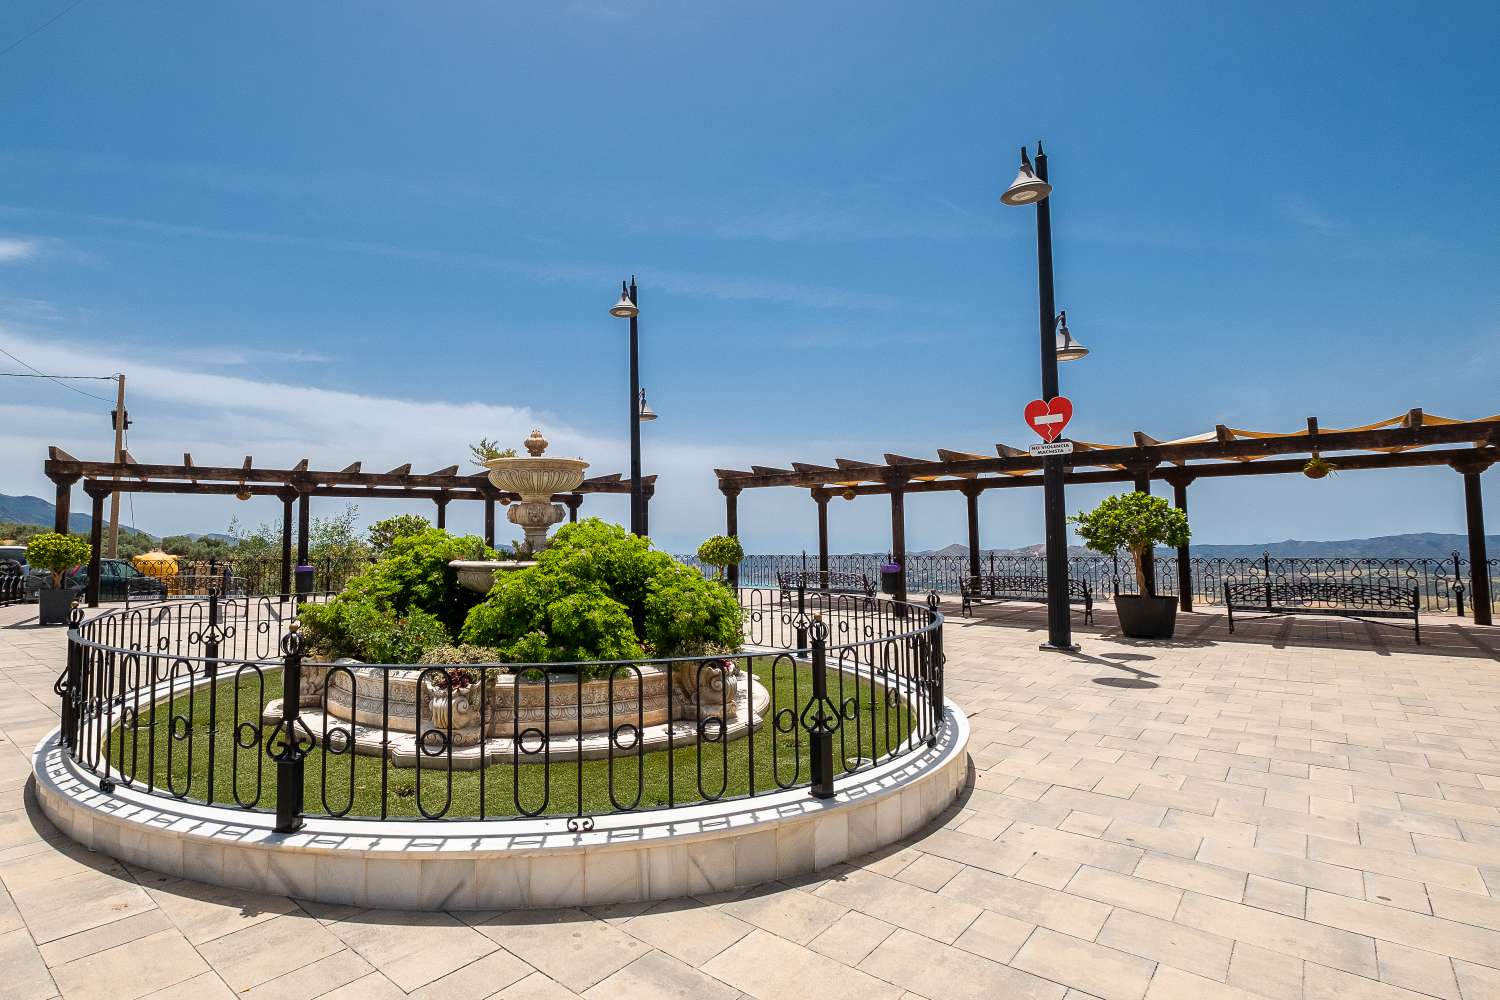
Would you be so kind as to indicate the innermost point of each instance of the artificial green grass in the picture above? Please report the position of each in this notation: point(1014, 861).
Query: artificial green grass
point(246, 776)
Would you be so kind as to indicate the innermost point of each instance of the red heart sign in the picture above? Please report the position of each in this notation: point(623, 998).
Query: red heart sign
point(1050, 417)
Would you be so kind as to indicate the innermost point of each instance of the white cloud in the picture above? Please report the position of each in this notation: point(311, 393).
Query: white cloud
point(14, 250)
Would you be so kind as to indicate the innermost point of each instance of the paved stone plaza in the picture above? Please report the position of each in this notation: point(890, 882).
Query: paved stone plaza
point(1309, 808)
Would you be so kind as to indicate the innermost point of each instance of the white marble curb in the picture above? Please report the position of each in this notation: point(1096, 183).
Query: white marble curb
point(657, 854)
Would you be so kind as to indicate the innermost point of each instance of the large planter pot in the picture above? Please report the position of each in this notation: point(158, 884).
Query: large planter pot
point(55, 605)
point(1143, 617)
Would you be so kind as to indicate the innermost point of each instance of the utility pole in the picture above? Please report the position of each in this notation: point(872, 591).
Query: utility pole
point(121, 421)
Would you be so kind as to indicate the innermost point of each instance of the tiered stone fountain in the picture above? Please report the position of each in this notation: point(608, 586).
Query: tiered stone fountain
point(669, 706)
point(536, 479)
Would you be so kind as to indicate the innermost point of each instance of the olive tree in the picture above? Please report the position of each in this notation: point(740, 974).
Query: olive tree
point(1137, 522)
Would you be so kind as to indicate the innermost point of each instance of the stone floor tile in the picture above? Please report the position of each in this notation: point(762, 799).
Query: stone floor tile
point(1174, 944)
point(57, 908)
point(1416, 930)
point(535, 987)
point(686, 930)
point(658, 976)
point(264, 951)
point(412, 949)
point(1323, 983)
point(1284, 867)
point(1033, 904)
point(1269, 973)
point(477, 979)
point(1397, 892)
point(940, 917)
point(1193, 876)
point(1050, 872)
point(1477, 981)
point(131, 970)
point(1465, 907)
point(1125, 890)
point(25, 974)
point(204, 986)
point(1408, 866)
point(104, 937)
point(853, 936)
point(929, 872)
point(1281, 897)
point(314, 979)
point(790, 913)
point(920, 964)
point(771, 968)
point(1104, 972)
point(1414, 969)
point(204, 912)
point(995, 936)
point(372, 986)
point(1174, 984)
point(568, 945)
point(1311, 941)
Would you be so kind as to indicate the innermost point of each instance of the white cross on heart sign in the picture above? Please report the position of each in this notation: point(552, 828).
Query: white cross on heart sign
point(1049, 417)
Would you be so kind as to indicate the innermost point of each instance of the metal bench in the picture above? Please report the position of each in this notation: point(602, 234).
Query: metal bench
point(827, 583)
point(1324, 597)
point(994, 588)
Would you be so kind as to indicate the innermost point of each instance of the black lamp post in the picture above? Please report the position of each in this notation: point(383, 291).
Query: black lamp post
point(627, 308)
point(1031, 187)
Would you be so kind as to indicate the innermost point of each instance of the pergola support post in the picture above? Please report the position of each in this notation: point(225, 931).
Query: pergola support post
point(820, 497)
point(64, 504)
point(304, 527)
point(442, 511)
point(647, 492)
point(97, 492)
point(574, 501)
point(732, 526)
point(971, 502)
point(1479, 566)
point(489, 521)
point(898, 539)
point(287, 499)
point(1179, 481)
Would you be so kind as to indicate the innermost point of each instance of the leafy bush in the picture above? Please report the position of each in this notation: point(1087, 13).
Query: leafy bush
point(365, 631)
point(57, 553)
point(1134, 521)
point(414, 573)
point(722, 551)
point(600, 593)
point(383, 533)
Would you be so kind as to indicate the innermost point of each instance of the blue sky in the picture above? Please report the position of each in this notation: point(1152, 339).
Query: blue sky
point(379, 231)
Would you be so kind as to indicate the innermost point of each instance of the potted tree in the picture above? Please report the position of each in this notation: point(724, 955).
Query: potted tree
point(57, 554)
point(721, 552)
point(1137, 522)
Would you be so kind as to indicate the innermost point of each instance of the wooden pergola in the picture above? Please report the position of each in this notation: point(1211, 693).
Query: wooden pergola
point(1411, 440)
point(297, 486)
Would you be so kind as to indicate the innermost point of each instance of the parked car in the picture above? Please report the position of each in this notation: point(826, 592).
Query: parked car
point(117, 581)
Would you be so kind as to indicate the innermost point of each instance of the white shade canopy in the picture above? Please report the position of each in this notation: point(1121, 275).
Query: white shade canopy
point(1026, 189)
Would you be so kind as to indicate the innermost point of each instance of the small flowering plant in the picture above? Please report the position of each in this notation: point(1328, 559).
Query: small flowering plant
point(454, 679)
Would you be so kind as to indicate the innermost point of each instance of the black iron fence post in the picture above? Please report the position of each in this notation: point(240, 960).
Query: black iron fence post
point(800, 622)
point(1265, 565)
point(820, 717)
point(1458, 585)
point(293, 749)
point(211, 636)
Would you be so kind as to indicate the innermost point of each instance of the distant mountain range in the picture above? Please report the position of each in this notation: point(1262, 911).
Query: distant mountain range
point(1420, 545)
point(35, 510)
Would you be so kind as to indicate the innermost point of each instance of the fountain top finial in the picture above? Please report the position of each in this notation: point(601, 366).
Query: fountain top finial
point(536, 444)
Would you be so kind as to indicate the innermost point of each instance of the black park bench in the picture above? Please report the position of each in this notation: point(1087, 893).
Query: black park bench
point(994, 588)
point(1324, 597)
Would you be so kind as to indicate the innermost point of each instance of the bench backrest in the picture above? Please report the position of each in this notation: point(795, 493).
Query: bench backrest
point(1017, 585)
point(1323, 593)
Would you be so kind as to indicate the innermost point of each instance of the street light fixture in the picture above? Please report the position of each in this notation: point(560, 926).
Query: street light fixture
point(1027, 188)
point(1068, 349)
point(628, 308)
point(646, 412)
point(1031, 188)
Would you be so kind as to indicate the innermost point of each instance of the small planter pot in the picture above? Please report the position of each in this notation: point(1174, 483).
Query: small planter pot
point(1143, 617)
point(890, 577)
point(55, 604)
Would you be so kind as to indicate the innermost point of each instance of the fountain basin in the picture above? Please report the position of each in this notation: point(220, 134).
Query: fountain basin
point(479, 575)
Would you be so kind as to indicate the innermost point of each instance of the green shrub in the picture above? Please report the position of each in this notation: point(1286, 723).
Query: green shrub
point(364, 631)
point(383, 533)
point(721, 551)
point(600, 593)
point(414, 573)
point(57, 553)
point(1137, 522)
point(462, 654)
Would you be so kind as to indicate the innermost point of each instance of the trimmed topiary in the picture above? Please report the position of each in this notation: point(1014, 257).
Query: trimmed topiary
point(57, 553)
point(1137, 522)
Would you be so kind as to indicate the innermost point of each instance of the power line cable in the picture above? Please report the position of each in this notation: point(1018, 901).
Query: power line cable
point(41, 27)
point(59, 379)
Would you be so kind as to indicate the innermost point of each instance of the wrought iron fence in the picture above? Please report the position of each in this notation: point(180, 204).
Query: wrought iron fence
point(215, 701)
point(1443, 584)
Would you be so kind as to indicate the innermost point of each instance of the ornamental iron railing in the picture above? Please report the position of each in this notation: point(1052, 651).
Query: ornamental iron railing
point(1442, 583)
point(215, 700)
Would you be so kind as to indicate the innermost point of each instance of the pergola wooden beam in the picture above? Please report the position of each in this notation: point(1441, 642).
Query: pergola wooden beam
point(1225, 448)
